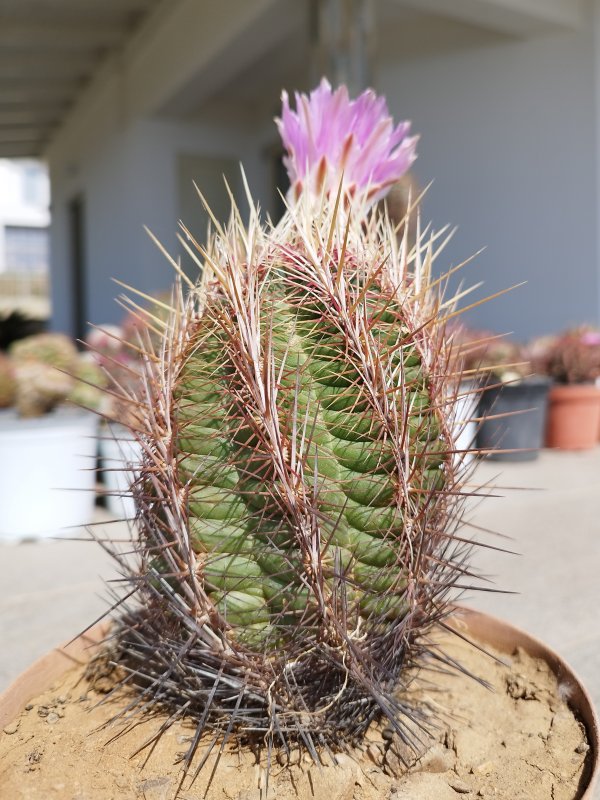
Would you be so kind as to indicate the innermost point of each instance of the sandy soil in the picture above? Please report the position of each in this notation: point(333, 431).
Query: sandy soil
point(518, 742)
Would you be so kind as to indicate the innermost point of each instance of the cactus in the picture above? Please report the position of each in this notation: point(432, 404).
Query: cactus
point(299, 493)
point(54, 349)
point(46, 371)
point(88, 385)
point(573, 356)
point(40, 388)
point(43, 364)
point(115, 353)
point(8, 382)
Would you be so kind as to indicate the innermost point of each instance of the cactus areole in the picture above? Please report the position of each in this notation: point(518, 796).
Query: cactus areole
point(299, 495)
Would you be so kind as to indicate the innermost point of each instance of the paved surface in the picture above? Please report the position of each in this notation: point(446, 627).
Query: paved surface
point(51, 590)
point(555, 527)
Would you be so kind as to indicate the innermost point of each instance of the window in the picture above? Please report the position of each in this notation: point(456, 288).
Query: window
point(26, 249)
point(34, 185)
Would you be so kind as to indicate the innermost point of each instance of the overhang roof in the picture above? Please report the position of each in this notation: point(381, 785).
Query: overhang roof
point(49, 51)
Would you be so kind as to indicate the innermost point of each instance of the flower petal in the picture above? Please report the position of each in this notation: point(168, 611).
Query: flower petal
point(330, 135)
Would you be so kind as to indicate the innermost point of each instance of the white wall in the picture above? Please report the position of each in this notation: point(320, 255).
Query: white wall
point(508, 133)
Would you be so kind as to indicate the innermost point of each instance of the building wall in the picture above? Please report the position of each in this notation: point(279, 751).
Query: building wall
point(508, 135)
point(128, 180)
point(121, 158)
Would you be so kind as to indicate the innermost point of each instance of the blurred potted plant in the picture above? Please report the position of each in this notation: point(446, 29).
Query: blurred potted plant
point(48, 434)
point(572, 359)
point(115, 353)
point(514, 405)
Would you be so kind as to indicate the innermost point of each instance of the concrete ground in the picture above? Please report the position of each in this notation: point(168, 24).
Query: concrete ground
point(51, 590)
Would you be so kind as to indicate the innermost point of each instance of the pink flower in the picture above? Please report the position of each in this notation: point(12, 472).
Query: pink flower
point(330, 135)
point(591, 338)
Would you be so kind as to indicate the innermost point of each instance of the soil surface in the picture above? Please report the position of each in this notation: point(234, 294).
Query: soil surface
point(517, 742)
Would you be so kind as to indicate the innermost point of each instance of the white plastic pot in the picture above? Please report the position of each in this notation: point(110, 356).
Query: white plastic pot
point(47, 473)
point(120, 454)
point(464, 425)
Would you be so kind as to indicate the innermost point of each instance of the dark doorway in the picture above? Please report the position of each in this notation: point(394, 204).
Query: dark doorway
point(79, 316)
point(280, 182)
point(208, 172)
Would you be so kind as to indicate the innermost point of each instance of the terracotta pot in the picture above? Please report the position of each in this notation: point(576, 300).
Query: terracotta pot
point(573, 417)
point(485, 628)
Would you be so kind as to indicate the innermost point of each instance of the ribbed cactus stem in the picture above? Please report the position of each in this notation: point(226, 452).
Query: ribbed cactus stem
point(299, 481)
point(314, 453)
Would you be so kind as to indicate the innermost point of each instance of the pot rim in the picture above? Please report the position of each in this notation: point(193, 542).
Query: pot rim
point(584, 390)
point(489, 629)
point(532, 383)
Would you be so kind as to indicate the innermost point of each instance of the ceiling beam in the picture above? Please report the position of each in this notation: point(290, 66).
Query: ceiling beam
point(228, 50)
point(18, 66)
point(42, 104)
point(20, 149)
point(30, 116)
point(43, 10)
point(516, 17)
point(26, 93)
point(32, 91)
point(34, 36)
point(29, 133)
point(178, 42)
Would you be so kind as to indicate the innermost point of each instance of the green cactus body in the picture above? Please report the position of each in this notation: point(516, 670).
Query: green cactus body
point(299, 486)
point(345, 473)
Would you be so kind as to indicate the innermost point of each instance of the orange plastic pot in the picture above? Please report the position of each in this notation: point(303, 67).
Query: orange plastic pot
point(573, 417)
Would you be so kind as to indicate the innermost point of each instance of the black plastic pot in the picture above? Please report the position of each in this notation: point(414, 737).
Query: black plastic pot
point(521, 431)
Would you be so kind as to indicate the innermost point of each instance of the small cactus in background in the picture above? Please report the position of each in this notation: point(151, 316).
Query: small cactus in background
point(573, 356)
point(114, 350)
point(88, 385)
point(8, 382)
point(40, 388)
point(54, 349)
point(44, 371)
point(300, 489)
point(493, 357)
